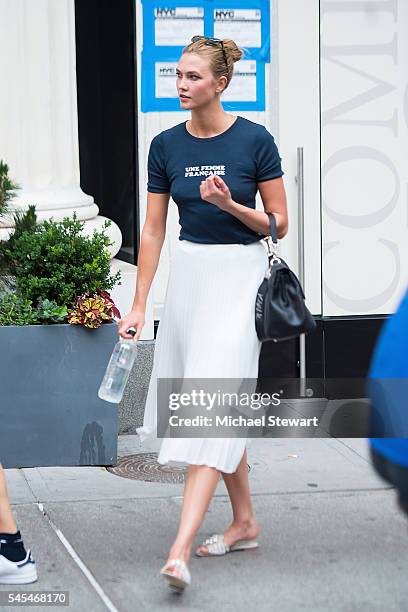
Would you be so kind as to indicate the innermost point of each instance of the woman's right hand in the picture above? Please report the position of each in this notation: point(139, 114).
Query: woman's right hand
point(136, 319)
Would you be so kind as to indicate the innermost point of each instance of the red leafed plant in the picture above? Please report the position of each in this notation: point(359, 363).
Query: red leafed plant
point(92, 310)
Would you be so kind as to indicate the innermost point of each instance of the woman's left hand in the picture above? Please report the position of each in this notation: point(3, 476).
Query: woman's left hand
point(215, 191)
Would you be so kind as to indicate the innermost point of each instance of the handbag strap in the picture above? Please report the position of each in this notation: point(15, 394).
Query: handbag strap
point(272, 246)
point(274, 229)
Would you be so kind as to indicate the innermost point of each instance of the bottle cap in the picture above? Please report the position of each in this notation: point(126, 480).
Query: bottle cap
point(131, 331)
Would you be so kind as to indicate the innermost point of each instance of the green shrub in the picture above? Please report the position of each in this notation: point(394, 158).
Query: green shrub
point(7, 192)
point(14, 310)
point(53, 261)
point(45, 267)
point(7, 189)
point(50, 312)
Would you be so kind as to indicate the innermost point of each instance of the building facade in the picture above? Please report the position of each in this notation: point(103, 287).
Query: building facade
point(336, 102)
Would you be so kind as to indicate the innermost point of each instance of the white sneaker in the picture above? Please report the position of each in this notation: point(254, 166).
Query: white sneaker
point(18, 572)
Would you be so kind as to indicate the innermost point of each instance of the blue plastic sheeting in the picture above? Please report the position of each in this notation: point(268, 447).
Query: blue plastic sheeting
point(387, 387)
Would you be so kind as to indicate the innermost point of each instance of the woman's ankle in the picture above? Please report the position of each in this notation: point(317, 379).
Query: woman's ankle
point(180, 553)
point(8, 528)
point(241, 530)
point(245, 528)
point(245, 522)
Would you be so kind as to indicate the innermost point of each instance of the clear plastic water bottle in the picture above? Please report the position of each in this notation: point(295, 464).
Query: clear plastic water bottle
point(118, 370)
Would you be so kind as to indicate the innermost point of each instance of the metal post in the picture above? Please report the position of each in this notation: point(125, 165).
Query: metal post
point(301, 252)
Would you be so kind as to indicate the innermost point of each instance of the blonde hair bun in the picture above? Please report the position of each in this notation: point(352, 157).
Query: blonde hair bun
point(234, 53)
point(221, 58)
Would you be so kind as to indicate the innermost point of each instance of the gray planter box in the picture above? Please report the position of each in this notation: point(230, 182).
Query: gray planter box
point(50, 413)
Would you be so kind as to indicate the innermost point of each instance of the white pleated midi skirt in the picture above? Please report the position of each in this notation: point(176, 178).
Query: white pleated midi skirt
point(207, 330)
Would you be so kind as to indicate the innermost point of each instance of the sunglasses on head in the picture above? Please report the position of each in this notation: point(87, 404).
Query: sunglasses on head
point(212, 42)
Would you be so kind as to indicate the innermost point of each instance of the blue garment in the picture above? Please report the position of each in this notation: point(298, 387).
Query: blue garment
point(388, 387)
point(242, 156)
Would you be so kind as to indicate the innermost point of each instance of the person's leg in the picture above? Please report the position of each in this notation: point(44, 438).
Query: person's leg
point(7, 522)
point(199, 488)
point(17, 565)
point(244, 525)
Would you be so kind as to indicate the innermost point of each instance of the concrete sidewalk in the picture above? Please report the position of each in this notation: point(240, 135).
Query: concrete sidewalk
point(332, 535)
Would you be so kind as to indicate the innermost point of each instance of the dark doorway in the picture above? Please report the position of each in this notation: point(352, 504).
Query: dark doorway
point(107, 112)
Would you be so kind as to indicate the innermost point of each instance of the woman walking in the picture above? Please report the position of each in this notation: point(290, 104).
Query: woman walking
point(212, 165)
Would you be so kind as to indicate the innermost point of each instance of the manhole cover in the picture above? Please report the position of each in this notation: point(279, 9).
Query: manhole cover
point(144, 466)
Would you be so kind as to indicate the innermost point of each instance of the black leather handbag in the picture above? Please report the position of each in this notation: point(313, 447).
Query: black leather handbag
point(280, 309)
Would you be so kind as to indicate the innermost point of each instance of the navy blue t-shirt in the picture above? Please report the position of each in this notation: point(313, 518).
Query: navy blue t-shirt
point(244, 155)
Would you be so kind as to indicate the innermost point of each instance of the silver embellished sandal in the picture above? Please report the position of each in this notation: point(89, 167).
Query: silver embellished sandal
point(177, 578)
point(217, 546)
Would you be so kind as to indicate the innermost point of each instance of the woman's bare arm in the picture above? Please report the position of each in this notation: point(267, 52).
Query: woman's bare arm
point(273, 196)
point(151, 242)
point(274, 200)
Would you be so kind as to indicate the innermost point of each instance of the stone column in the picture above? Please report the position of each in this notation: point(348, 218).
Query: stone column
point(38, 113)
